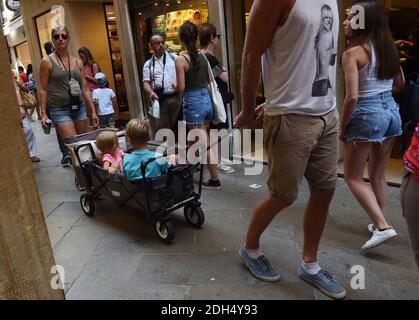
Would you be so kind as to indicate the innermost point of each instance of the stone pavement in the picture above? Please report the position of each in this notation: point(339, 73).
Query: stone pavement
point(116, 254)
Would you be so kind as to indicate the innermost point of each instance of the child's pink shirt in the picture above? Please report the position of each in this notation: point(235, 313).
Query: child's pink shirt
point(117, 159)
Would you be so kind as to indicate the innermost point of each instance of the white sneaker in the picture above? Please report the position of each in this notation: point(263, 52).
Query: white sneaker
point(225, 168)
point(370, 228)
point(378, 237)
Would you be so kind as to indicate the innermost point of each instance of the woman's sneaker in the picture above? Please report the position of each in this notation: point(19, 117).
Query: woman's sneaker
point(66, 161)
point(225, 168)
point(378, 237)
point(371, 228)
point(212, 185)
point(323, 281)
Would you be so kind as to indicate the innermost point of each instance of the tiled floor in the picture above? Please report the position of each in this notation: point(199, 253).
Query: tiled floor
point(116, 254)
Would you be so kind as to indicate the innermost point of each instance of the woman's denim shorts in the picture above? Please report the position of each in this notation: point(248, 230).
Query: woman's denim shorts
point(197, 106)
point(61, 115)
point(375, 119)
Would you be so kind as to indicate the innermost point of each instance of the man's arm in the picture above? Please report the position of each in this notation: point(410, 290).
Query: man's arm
point(264, 19)
point(147, 82)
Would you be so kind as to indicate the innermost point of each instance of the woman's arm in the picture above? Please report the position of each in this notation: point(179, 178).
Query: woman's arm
point(95, 69)
point(87, 97)
point(180, 74)
point(399, 82)
point(44, 72)
point(350, 69)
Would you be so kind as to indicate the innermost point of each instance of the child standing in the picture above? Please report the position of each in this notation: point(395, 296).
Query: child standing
point(111, 158)
point(138, 134)
point(105, 101)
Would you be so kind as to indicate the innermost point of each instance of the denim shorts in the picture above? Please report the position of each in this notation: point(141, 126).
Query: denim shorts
point(197, 106)
point(61, 115)
point(107, 120)
point(375, 119)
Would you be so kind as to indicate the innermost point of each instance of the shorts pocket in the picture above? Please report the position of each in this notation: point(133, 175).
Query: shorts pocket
point(276, 129)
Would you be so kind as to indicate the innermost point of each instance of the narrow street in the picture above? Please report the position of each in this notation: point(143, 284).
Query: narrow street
point(116, 254)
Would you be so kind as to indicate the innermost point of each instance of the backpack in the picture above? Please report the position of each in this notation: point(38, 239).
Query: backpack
point(409, 103)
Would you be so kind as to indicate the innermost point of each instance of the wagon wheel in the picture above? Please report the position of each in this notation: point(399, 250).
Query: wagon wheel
point(165, 231)
point(87, 205)
point(194, 216)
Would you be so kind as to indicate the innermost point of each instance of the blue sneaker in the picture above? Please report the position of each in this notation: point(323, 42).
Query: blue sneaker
point(260, 268)
point(323, 281)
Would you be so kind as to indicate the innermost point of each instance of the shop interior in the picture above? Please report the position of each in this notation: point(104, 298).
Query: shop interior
point(164, 17)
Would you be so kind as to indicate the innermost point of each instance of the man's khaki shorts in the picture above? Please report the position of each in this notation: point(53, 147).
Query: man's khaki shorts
point(301, 146)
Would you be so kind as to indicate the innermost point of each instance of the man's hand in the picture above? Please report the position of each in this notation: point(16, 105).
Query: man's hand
point(154, 96)
point(244, 118)
point(260, 111)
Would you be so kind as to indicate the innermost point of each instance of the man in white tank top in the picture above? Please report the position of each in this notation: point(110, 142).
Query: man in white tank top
point(294, 44)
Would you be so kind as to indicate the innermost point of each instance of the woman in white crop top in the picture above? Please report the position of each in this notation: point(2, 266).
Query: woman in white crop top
point(370, 117)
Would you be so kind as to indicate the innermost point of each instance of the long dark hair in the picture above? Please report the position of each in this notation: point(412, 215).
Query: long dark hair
point(86, 52)
point(377, 31)
point(29, 70)
point(188, 34)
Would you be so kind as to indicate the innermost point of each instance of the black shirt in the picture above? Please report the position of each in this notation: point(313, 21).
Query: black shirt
point(217, 69)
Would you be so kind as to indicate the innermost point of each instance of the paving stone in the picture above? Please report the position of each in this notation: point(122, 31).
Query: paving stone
point(74, 251)
point(157, 292)
point(105, 278)
point(191, 269)
point(117, 255)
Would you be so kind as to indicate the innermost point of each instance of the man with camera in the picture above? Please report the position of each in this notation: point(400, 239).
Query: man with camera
point(159, 78)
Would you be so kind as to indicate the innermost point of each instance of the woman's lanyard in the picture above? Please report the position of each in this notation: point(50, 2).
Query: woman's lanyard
point(69, 67)
point(164, 66)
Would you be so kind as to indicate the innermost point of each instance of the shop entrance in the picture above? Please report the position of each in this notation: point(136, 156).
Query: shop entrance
point(164, 17)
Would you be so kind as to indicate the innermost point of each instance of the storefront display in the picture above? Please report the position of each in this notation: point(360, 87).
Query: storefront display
point(45, 23)
point(116, 56)
point(165, 18)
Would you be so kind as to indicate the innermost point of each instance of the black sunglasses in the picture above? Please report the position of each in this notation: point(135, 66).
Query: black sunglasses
point(58, 36)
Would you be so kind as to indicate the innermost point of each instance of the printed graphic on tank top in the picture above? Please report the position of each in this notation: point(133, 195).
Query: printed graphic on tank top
point(299, 67)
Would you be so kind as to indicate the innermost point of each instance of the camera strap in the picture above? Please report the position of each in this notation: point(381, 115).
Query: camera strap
point(164, 67)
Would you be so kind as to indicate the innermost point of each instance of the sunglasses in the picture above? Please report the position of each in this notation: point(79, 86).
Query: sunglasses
point(58, 36)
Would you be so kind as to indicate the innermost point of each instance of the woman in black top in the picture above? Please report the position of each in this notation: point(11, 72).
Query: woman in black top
point(209, 40)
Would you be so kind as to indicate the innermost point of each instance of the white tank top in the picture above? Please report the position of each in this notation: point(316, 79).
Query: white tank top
point(369, 85)
point(299, 67)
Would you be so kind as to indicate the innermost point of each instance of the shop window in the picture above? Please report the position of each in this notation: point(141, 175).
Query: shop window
point(44, 24)
point(164, 17)
point(116, 56)
point(22, 54)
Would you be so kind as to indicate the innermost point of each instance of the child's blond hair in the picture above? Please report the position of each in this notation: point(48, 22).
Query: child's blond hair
point(107, 141)
point(138, 131)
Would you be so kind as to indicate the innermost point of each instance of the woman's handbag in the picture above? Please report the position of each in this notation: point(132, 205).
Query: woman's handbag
point(29, 100)
point(220, 115)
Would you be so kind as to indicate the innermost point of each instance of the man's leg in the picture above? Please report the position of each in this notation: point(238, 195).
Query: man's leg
point(165, 115)
point(287, 142)
point(321, 175)
point(263, 215)
point(315, 220)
